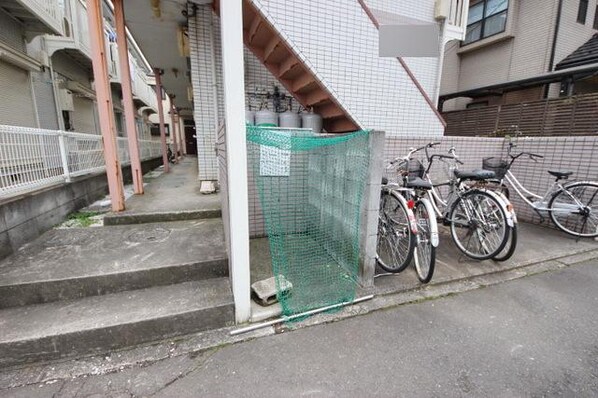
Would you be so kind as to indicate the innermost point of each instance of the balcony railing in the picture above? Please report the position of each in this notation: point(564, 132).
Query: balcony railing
point(113, 62)
point(83, 39)
point(141, 88)
point(48, 12)
point(76, 33)
point(31, 159)
point(455, 13)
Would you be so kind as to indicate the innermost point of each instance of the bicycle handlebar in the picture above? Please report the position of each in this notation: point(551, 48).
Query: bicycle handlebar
point(414, 150)
point(532, 156)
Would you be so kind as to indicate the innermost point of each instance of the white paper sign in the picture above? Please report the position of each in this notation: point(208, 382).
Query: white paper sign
point(275, 162)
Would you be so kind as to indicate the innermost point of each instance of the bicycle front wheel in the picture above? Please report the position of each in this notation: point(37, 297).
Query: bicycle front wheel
point(478, 225)
point(509, 249)
point(396, 242)
point(574, 210)
point(425, 252)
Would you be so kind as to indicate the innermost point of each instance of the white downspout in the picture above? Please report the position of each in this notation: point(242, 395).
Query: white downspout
point(437, 85)
point(214, 77)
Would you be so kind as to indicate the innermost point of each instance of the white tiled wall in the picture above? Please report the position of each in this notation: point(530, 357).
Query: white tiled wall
point(207, 91)
point(425, 69)
point(575, 154)
point(339, 43)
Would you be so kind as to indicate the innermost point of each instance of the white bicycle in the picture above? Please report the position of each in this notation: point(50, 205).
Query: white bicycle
point(573, 207)
point(480, 220)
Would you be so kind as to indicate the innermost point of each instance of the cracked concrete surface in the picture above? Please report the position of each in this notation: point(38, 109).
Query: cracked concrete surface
point(532, 336)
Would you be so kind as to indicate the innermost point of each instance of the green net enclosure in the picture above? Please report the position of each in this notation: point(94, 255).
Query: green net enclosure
point(310, 188)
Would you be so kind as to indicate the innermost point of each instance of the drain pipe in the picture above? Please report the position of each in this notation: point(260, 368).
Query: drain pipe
point(214, 74)
point(306, 313)
point(555, 37)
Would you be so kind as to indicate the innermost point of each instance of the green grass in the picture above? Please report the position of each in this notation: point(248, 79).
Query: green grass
point(84, 218)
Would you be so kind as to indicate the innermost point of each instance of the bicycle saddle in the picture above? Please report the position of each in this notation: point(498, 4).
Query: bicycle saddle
point(417, 182)
point(475, 175)
point(384, 180)
point(560, 174)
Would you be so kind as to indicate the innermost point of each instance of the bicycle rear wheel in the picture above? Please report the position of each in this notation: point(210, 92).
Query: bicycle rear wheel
point(425, 252)
point(575, 209)
point(478, 225)
point(396, 242)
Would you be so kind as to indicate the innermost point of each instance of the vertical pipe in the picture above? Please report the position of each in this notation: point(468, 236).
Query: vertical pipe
point(555, 37)
point(442, 45)
point(157, 72)
point(173, 130)
point(59, 118)
point(105, 107)
point(180, 134)
point(231, 28)
point(127, 89)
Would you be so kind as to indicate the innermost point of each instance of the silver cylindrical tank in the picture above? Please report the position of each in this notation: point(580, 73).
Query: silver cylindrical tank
point(312, 121)
point(266, 117)
point(289, 119)
point(249, 117)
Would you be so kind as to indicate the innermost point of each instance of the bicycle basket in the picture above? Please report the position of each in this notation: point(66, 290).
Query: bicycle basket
point(412, 168)
point(497, 165)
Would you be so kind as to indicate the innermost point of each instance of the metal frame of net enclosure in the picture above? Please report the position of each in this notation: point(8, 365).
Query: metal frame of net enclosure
point(311, 187)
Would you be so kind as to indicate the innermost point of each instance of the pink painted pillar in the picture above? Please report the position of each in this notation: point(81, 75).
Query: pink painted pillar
point(127, 89)
point(105, 108)
point(158, 72)
point(173, 130)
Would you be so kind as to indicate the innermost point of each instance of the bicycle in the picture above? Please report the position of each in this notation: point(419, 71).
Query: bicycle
point(571, 206)
point(396, 230)
point(413, 188)
point(479, 220)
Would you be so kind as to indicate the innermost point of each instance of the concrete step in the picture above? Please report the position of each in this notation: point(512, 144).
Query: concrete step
point(141, 217)
point(73, 263)
point(101, 324)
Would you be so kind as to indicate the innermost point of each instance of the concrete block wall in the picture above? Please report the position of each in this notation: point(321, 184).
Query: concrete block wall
point(304, 202)
point(575, 154)
point(24, 218)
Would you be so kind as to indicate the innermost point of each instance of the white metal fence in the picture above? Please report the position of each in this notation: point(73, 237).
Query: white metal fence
point(32, 158)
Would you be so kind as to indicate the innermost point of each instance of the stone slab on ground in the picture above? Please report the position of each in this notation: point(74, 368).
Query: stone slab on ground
point(104, 323)
point(71, 263)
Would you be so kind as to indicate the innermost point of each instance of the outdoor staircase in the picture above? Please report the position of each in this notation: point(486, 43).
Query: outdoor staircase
point(84, 291)
point(275, 31)
point(272, 50)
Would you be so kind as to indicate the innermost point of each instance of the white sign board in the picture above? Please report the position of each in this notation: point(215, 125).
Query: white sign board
point(422, 40)
point(274, 162)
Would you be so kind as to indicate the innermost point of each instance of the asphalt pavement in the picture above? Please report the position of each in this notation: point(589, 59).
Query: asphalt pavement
point(532, 337)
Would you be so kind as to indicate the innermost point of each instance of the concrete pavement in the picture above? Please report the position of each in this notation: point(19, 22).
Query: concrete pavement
point(535, 336)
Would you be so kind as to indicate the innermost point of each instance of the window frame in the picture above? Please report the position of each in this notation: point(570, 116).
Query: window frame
point(482, 22)
point(584, 10)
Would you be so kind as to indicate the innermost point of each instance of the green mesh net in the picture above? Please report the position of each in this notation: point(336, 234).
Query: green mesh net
point(310, 188)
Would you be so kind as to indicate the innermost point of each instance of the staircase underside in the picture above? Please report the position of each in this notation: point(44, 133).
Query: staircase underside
point(286, 66)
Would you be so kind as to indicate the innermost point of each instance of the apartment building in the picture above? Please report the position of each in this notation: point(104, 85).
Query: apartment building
point(515, 51)
point(46, 73)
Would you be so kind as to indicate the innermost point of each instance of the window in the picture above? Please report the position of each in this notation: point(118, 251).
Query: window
point(596, 19)
point(582, 12)
point(486, 18)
